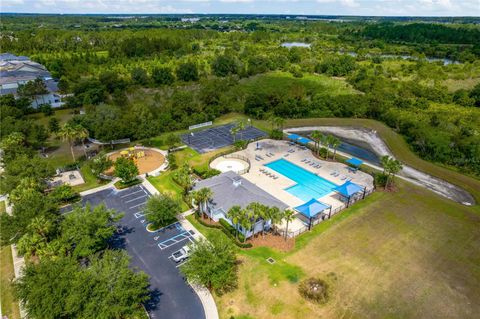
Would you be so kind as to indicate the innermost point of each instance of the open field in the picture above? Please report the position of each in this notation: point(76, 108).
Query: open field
point(382, 258)
point(282, 82)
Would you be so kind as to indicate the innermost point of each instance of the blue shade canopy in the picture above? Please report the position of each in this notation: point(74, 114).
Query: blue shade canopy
point(311, 208)
point(355, 161)
point(293, 137)
point(348, 189)
point(303, 140)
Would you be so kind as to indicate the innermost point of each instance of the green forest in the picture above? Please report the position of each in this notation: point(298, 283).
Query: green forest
point(137, 79)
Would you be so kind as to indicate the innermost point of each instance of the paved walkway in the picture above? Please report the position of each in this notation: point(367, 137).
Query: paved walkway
point(204, 294)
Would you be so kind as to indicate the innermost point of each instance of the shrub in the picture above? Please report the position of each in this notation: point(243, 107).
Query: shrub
point(276, 134)
point(64, 194)
point(206, 173)
point(172, 161)
point(380, 179)
point(226, 228)
point(231, 230)
point(125, 169)
point(122, 185)
point(314, 289)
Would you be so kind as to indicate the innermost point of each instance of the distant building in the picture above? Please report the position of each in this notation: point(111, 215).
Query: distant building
point(191, 20)
point(18, 70)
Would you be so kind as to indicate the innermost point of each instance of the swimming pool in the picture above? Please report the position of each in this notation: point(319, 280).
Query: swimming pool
point(308, 184)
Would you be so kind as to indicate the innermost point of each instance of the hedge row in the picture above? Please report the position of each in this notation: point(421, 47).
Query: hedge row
point(226, 228)
point(229, 230)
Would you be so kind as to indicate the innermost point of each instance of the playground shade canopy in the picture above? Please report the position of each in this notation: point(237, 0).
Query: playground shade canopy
point(293, 137)
point(311, 208)
point(355, 161)
point(348, 189)
point(303, 140)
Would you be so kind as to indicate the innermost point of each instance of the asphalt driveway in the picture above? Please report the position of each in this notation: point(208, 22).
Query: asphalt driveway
point(172, 296)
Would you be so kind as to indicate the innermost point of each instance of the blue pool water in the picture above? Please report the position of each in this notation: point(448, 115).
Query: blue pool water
point(308, 184)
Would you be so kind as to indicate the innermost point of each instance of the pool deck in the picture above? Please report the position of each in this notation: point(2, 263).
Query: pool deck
point(277, 187)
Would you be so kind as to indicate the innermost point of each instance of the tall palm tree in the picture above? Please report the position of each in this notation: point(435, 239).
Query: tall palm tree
point(326, 142)
point(68, 133)
point(258, 211)
point(391, 167)
point(233, 131)
point(273, 214)
point(335, 143)
point(280, 122)
point(317, 137)
point(82, 134)
point(202, 196)
point(288, 216)
point(235, 213)
point(241, 127)
point(246, 222)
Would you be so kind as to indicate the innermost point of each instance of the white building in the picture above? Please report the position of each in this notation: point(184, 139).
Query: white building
point(18, 70)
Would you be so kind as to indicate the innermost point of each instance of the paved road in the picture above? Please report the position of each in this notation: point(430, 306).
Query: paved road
point(172, 297)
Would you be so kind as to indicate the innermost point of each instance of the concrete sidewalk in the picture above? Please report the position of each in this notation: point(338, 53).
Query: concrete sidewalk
point(204, 294)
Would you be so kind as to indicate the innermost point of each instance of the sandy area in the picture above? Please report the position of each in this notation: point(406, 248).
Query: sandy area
point(228, 164)
point(411, 174)
point(150, 162)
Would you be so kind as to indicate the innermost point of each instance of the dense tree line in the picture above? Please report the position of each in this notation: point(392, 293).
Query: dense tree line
point(423, 33)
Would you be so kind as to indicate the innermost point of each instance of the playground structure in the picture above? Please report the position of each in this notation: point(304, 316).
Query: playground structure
point(146, 159)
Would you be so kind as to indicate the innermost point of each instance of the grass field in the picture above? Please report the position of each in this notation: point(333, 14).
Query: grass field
point(408, 254)
point(9, 305)
point(282, 82)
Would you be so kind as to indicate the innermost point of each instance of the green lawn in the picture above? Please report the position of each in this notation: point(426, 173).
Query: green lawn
point(407, 254)
point(90, 180)
point(9, 305)
point(165, 184)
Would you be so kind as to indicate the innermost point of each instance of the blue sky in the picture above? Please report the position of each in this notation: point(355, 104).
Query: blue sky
point(319, 7)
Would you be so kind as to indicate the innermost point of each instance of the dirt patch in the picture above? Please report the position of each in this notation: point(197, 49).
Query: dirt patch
point(147, 163)
point(273, 241)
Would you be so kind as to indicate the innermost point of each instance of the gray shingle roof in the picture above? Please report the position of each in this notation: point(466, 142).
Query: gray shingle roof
point(227, 194)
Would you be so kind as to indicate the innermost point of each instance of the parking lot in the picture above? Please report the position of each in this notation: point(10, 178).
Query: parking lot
point(151, 252)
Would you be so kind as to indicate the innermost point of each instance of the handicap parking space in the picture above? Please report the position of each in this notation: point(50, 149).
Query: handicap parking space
point(151, 252)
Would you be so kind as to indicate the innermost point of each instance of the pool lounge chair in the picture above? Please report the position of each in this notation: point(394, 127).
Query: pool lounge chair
point(271, 154)
point(343, 178)
point(304, 160)
point(307, 161)
point(275, 177)
point(336, 174)
point(333, 173)
point(268, 155)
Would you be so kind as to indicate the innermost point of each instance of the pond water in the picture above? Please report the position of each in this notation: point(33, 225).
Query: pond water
point(295, 45)
point(406, 57)
point(356, 149)
point(359, 152)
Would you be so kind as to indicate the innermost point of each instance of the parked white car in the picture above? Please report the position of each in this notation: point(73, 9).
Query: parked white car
point(182, 254)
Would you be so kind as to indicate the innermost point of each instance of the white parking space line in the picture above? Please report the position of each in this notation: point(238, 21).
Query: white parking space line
point(132, 193)
point(139, 214)
point(131, 200)
point(175, 240)
point(137, 205)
